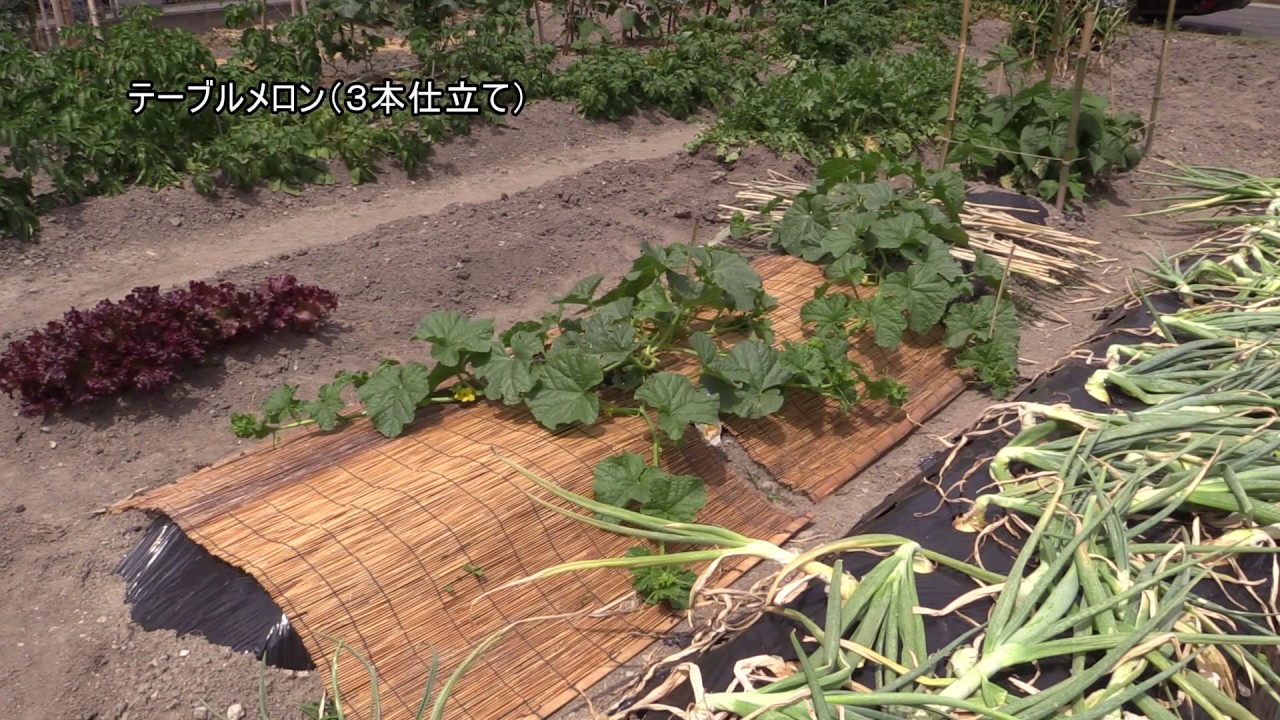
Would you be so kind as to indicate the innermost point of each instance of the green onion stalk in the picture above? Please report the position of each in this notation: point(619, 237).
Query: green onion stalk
point(1259, 325)
point(1108, 590)
point(1244, 275)
point(1071, 607)
point(1239, 268)
point(1228, 461)
point(1081, 591)
point(1213, 187)
point(1157, 372)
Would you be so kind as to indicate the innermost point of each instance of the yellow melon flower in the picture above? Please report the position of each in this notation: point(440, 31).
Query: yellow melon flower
point(464, 393)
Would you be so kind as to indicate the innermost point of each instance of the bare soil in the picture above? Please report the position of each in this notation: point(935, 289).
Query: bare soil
point(498, 222)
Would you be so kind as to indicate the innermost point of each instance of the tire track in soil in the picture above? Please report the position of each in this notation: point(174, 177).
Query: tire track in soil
point(219, 248)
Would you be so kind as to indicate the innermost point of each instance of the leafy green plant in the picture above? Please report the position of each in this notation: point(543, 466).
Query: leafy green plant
point(837, 31)
point(609, 359)
point(85, 138)
point(701, 67)
point(924, 21)
point(66, 115)
point(493, 46)
point(865, 227)
point(18, 210)
point(620, 339)
point(891, 100)
point(626, 481)
point(1020, 140)
point(833, 32)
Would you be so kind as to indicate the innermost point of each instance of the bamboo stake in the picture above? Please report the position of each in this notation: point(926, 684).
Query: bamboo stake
point(58, 21)
point(1159, 92)
point(570, 27)
point(93, 16)
point(293, 8)
point(49, 35)
point(537, 16)
point(955, 84)
point(1055, 41)
point(33, 20)
point(1082, 66)
point(1004, 280)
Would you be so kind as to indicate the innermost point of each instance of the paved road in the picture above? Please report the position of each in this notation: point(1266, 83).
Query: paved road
point(1259, 20)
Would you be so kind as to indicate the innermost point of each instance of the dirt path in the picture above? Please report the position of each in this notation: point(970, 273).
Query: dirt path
point(499, 221)
point(174, 249)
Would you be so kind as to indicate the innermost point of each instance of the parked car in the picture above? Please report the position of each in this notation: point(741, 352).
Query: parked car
point(1155, 10)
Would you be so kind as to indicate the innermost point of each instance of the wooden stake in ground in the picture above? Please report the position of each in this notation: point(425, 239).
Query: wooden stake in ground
point(537, 17)
point(1155, 97)
point(49, 32)
point(1082, 66)
point(1055, 41)
point(1004, 281)
point(93, 15)
point(33, 21)
point(58, 20)
point(955, 84)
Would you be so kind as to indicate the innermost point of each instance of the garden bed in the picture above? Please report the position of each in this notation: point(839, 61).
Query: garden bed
point(578, 197)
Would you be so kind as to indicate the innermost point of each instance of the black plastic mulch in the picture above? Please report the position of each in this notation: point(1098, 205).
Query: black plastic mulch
point(174, 584)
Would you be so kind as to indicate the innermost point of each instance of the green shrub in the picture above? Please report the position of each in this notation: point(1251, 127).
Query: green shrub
point(1020, 140)
point(893, 100)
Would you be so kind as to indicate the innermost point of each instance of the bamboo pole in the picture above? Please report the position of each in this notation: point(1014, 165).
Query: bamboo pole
point(1055, 41)
point(93, 15)
point(1159, 91)
point(293, 8)
point(537, 16)
point(49, 36)
point(59, 21)
point(33, 20)
point(1082, 66)
point(955, 84)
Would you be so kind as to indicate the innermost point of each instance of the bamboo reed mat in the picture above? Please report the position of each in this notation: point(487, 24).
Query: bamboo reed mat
point(810, 445)
point(365, 539)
